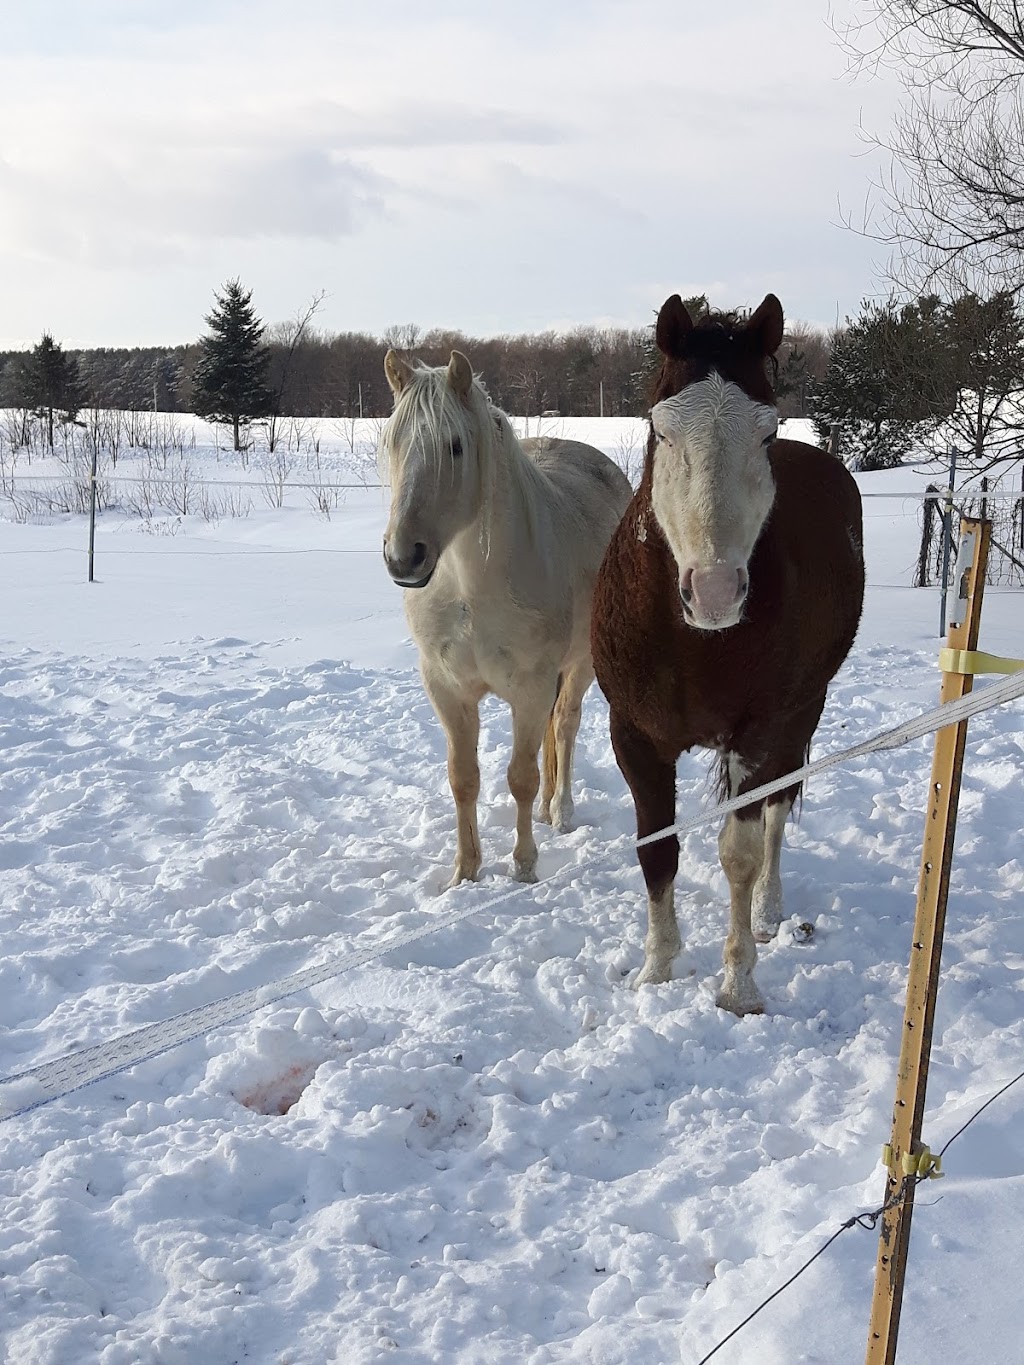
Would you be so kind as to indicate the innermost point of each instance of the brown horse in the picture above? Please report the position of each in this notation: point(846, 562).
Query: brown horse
point(728, 598)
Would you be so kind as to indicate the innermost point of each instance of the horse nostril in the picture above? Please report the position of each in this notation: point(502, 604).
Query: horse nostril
point(744, 584)
point(419, 554)
point(686, 587)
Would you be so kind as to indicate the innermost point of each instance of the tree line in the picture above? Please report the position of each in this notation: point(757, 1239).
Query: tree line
point(242, 371)
point(891, 378)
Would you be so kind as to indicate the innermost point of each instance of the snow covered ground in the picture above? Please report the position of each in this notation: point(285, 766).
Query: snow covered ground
point(219, 767)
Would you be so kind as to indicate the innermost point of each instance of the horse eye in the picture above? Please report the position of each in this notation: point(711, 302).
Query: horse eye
point(769, 439)
point(456, 447)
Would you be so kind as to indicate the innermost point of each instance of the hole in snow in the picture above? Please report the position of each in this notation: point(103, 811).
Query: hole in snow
point(277, 1095)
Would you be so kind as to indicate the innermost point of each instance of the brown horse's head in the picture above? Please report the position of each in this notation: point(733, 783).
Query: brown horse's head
point(712, 422)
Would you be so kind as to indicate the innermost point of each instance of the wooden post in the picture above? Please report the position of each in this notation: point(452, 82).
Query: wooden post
point(926, 954)
point(947, 541)
point(92, 507)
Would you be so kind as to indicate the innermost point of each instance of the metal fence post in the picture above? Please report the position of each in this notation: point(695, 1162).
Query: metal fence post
point(947, 540)
point(904, 1153)
point(92, 510)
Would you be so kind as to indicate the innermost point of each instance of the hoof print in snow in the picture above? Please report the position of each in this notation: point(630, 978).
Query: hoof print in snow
point(803, 932)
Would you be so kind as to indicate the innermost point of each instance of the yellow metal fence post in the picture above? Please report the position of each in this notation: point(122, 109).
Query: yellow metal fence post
point(904, 1152)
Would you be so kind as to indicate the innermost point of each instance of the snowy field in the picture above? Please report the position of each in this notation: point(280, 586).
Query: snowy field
point(219, 767)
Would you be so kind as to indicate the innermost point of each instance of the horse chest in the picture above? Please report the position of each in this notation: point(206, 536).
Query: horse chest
point(682, 687)
point(685, 706)
point(480, 642)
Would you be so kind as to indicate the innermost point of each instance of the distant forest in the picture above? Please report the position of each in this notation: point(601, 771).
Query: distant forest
point(577, 373)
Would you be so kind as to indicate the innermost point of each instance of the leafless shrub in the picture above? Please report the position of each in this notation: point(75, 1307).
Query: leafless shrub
point(630, 447)
point(361, 438)
point(277, 470)
point(214, 504)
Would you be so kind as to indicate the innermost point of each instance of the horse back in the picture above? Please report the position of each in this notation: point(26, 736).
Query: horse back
point(580, 469)
point(589, 490)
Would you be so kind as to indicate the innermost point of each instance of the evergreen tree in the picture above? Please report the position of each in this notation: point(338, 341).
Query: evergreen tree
point(229, 382)
point(886, 383)
point(51, 384)
point(985, 352)
point(644, 379)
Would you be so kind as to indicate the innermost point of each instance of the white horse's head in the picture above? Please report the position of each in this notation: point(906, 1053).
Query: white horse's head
point(437, 448)
point(711, 480)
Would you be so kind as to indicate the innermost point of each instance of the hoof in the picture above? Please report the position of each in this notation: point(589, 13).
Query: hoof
point(765, 935)
point(653, 974)
point(524, 874)
point(563, 817)
point(738, 1003)
point(461, 875)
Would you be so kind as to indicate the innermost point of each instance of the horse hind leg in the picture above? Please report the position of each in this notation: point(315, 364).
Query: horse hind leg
point(564, 727)
point(766, 908)
point(530, 717)
point(549, 764)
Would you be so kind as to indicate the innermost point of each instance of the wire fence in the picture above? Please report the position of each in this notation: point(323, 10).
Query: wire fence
point(867, 1220)
point(35, 497)
point(55, 1079)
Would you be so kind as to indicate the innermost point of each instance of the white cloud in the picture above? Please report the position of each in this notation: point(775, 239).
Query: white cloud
point(574, 157)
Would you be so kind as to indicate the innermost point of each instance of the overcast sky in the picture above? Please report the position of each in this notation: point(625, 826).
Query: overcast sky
point(480, 164)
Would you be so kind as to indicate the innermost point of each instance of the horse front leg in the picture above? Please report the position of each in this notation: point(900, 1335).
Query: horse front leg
point(530, 716)
point(652, 782)
point(766, 908)
point(741, 849)
point(460, 718)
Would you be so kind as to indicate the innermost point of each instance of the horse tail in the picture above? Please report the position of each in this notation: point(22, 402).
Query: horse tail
point(550, 756)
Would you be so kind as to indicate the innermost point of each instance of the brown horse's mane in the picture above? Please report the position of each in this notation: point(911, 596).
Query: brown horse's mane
point(718, 343)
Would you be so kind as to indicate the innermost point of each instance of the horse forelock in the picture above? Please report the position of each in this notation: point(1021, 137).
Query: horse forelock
point(714, 405)
point(429, 412)
point(427, 408)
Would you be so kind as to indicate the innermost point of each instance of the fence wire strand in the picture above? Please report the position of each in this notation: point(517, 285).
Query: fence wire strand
point(52, 1080)
point(868, 1220)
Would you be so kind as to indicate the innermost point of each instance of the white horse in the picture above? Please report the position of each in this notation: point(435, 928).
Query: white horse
point(498, 543)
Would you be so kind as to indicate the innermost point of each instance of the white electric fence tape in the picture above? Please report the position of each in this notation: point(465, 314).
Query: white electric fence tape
point(52, 1080)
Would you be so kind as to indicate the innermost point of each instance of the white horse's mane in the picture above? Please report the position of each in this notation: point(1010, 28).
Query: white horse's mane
point(428, 409)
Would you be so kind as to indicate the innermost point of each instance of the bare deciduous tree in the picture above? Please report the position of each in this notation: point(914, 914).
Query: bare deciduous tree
point(952, 201)
point(288, 336)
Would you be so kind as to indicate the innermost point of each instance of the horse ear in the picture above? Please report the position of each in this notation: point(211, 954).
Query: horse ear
point(674, 324)
point(460, 375)
point(398, 371)
point(765, 325)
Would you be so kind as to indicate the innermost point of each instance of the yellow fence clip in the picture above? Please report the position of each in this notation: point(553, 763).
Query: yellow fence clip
point(923, 1164)
point(976, 661)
